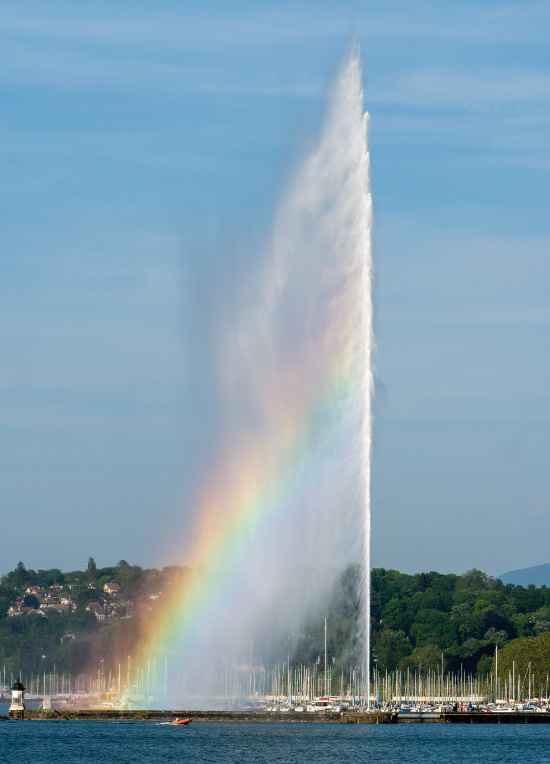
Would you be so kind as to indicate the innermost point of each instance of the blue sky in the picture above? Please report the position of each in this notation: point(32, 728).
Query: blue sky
point(142, 148)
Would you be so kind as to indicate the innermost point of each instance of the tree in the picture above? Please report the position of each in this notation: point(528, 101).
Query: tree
point(31, 600)
point(91, 569)
point(423, 581)
point(484, 665)
point(475, 580)
point(18, 577)
point(389, 647)
point(495, 635)
point(50, 577)
point(7, 598)
point(84, 596)
point(541, 627)
point(525, 651)
point(428, 658)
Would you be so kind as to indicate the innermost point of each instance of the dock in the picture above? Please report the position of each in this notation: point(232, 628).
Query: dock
point(456, 717)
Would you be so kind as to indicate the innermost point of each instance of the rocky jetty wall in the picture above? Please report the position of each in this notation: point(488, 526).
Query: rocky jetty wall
point(168, 716)
point(287, 717)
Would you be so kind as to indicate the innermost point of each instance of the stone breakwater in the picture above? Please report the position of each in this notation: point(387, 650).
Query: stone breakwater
point(168, 716)
point(288, 717)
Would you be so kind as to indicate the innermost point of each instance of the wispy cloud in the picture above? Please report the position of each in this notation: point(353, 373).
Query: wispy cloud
point(213, 23)
point(188, 49)
point(482, 90)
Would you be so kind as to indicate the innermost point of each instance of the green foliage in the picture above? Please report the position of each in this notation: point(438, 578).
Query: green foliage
point(8, 596)
point(475, 581)
point(518, 654)
point(31, 600)
point(484, 665)
point(418, 620)
point(498, 637)
point(390, 647)
point(47, 577)
point(19, 577)
point(426, 658)
point(84, 596)
point(462, 617)
point(131, 579)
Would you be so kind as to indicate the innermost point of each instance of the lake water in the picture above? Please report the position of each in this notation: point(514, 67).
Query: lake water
point(274, 743)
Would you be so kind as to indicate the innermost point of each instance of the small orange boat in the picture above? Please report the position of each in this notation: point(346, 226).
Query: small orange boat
point(181, 721)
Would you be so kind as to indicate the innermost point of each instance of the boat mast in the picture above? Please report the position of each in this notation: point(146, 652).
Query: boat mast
point(326, 695)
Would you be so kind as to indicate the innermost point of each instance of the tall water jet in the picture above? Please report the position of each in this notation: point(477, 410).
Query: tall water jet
point(286, 499)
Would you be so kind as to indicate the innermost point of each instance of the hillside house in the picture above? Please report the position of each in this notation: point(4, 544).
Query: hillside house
point(19, 609)
point(111, 588)
point(47, 602)
point(97, 610)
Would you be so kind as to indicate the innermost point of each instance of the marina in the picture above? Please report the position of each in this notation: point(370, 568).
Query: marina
point(288, 696)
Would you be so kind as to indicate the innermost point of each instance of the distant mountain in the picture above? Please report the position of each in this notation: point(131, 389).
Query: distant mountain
point(538, 575)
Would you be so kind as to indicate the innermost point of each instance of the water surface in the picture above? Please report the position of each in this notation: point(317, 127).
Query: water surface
point(271, 743)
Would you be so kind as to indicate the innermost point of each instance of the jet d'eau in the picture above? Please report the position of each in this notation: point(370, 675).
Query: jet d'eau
point(291, 489)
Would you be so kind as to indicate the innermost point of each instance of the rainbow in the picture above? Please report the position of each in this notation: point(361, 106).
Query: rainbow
point(233, 510)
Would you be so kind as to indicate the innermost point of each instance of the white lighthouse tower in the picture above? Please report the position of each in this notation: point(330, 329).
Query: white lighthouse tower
point(17, 708)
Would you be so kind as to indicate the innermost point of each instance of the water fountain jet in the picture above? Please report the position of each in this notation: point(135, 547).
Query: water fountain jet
point(293, 484)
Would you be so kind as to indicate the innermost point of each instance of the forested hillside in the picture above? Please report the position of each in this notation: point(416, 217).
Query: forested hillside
point(417, 618)
point(418, 621)
point(76, 619)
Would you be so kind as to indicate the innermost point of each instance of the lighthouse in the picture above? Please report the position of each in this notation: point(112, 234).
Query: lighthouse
point(17, 708)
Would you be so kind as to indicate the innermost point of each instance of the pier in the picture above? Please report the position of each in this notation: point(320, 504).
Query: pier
point(456, 717)
point(376, 717)
point(90, 714)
